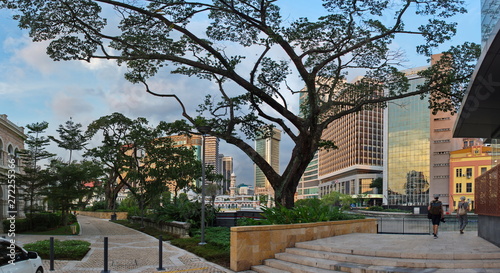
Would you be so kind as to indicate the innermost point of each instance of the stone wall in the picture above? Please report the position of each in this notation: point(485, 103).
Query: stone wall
point(180, 229)
point(251, 245)
point(120, 215)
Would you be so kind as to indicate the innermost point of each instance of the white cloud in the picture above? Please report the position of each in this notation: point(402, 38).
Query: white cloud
point(69, 105)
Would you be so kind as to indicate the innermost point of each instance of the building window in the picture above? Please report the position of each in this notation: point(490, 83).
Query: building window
point(458, 187)
point(468, 187)
point(483, 170)
point(458, 172)
point(469, 172)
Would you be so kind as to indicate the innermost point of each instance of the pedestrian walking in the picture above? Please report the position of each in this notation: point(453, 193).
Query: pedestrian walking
point(462, 209)
point(437, 214)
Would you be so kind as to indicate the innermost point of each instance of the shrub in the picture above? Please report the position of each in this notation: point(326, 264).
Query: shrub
point(45, 221)
point(22, 225)
point(376, 208)
point(99, 205)
point(245, 221)
point(63, 250)
point(303, 212)
point(185, 211)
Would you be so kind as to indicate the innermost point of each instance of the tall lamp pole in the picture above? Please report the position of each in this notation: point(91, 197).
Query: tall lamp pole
point(204, 130)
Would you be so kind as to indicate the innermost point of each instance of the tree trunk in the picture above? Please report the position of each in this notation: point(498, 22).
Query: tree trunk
point(285, 188)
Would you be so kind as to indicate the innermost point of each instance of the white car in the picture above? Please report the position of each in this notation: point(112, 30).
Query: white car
point(15, 259)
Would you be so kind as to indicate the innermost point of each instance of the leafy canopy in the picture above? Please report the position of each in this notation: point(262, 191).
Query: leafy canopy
point(250, 52)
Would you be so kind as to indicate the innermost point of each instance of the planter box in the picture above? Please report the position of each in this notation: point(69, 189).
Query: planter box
point(251, 245)
point(120, 215)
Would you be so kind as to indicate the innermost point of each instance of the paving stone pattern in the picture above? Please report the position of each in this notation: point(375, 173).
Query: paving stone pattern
point(128, 251)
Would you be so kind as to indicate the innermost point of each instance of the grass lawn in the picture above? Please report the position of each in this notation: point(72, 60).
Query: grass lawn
point(217, 249)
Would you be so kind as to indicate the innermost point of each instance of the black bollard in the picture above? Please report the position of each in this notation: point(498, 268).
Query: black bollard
point(105, 256)
point(160, 251)
point(51, 254)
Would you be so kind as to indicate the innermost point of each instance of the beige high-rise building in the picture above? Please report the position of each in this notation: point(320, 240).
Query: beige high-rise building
point(226, 171)
point(352, 167)
point(269, 148)
point(212, 153)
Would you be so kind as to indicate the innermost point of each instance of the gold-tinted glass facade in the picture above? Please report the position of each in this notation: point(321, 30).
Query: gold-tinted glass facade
point(408, 153)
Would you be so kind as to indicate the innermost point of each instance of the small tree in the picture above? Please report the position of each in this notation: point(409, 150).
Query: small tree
point(338, 199)
point(71, 137)
point(110, 154)
point(66, 184)
point(377, 183)
point(31, 179)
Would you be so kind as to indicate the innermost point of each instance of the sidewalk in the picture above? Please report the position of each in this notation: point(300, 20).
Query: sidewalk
point(128, 251)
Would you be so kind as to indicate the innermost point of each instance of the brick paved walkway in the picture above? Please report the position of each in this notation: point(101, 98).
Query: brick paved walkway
point(128, 249)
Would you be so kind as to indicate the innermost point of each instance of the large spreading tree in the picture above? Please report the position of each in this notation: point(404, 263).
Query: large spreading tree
point(250, 52)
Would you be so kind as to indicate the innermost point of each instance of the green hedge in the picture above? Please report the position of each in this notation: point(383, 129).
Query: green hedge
point(63, 250)
point(39, 222)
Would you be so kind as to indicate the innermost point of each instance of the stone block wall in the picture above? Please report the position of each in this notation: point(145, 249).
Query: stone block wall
point(120, 215)
point(251, 245)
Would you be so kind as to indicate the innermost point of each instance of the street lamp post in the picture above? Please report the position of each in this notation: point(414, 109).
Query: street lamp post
point(203, 130)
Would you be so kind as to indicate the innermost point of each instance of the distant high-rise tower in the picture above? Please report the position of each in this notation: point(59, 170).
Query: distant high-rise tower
point(269, 148)
point(226, 171)
point(212, 152)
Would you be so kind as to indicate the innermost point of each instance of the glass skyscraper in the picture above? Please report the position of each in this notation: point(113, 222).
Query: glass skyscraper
point(407, 153)
point(269, 148)
point(490, 14)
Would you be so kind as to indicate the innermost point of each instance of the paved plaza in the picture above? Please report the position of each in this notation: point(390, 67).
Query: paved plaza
point(129, 251)
point(136, 252)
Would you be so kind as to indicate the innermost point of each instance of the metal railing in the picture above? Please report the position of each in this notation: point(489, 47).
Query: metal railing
point(421, 225)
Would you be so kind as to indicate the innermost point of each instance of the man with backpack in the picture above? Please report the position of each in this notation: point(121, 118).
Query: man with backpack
point(436, 210)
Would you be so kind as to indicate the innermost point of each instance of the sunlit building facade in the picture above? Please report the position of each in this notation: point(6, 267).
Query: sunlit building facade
point(352, 167)
point(417, 151)
point(465, 165)
point(407, 148)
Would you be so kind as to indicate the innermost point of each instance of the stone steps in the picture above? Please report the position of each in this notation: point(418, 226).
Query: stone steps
point(314, 257)
point(391, 254)
point(388, 261)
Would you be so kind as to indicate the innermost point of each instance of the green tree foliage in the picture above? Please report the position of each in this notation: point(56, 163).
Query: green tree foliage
point(66, 184)
point(377, 183)
point(31, 179)
point(71, 137)
point(338, 199)
point(141, 158)
point(113, 130)
point(250, 92)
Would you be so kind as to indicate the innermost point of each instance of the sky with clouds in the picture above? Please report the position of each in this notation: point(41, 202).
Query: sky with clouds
point(34, 88)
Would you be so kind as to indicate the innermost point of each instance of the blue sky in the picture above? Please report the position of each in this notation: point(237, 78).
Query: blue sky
point(34, 88)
